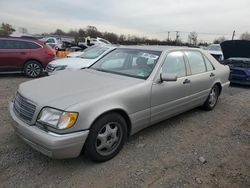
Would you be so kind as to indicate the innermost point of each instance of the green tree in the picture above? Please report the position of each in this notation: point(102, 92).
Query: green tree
point(6, 29)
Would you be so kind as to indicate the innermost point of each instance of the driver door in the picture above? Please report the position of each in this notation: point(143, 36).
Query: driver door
point(169, 98)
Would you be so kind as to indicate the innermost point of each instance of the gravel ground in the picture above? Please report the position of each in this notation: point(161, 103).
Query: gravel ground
point(194, 149)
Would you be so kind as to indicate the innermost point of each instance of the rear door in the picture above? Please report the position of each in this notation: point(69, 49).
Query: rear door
point(13, 54)
point(201, 76)
point(169, 98)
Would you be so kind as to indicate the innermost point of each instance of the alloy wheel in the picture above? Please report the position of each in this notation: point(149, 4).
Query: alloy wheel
point(108, 138)
point(33, 70)
point(213, 96)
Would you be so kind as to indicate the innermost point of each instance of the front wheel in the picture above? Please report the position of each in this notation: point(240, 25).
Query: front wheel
point(212, 98)
point(106, 138)
point(33, 69)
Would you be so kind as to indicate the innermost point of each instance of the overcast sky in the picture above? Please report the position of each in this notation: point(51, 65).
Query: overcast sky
point(151, 18)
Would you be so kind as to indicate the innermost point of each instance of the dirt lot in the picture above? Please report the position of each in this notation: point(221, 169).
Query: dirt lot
point(164, 155)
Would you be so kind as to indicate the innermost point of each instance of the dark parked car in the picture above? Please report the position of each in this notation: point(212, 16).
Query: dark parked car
point(237, 57)
point(26, 55)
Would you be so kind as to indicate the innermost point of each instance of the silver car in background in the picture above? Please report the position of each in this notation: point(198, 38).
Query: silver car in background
point(131, 88)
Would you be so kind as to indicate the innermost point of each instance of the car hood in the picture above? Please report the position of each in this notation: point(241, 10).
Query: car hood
point(236, 48)
point(77, 63)
point(66, 89)
point(74, 54)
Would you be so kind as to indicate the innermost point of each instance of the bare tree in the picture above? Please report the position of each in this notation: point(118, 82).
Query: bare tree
point(59, 32)
point(23, 30)
point(112, 37)
point(219, 40)
point(93, 32)
point(245, 36)
point(193, 38)
point(122, 38)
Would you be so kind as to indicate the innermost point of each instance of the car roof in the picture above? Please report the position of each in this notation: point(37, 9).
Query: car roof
point(31, 39)
point(157, 47)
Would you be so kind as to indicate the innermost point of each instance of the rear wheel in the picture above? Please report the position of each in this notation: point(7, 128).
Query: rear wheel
point(106, 138)
point(33, 69)
point(212, 98)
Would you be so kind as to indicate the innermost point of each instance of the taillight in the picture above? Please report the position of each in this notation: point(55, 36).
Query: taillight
point(51, 53)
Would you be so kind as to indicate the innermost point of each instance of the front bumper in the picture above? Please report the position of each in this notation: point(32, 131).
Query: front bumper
point(50, 144)
point(240, 79)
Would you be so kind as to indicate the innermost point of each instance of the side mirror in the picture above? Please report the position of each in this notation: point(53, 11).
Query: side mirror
point(168, 77)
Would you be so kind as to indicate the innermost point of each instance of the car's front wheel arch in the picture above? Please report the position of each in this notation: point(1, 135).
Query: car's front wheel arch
point(119, 111)
point(107, 135)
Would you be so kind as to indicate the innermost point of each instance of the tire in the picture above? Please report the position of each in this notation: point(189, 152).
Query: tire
point(212, 99)
point(33, 69)
point(106, 138)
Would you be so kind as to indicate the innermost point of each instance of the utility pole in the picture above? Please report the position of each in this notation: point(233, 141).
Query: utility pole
point(233, 35)
point(177, 36)
point(168, 35)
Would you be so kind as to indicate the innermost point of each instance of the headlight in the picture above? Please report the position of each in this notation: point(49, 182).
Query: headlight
point(57, 118)
point(62, 67)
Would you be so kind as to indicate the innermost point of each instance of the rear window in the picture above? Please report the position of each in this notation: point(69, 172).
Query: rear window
point(33, 45)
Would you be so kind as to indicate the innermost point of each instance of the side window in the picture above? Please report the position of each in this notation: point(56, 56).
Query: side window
point(8, 44)
point(50, 40)
point(21, 45)
point(174, 64)
point(2, 44)
point(196, 62)
point(33, 45)
point(12, 44)
point(208, 64)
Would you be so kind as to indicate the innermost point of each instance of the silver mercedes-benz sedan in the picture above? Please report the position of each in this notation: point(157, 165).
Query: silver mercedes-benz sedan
point(96, 109)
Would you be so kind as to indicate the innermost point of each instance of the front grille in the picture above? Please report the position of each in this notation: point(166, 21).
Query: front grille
point(50, 68)
point(23, 108)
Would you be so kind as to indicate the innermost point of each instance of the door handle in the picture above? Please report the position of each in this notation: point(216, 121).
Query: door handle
point(212, 74)
point(187, 81)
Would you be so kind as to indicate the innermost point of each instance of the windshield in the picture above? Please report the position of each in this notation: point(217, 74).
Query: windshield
point(93, 52)
point(214, 48)
point(129, 62)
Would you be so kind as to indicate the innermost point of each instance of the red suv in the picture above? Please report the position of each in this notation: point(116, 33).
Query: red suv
point(27, 55)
